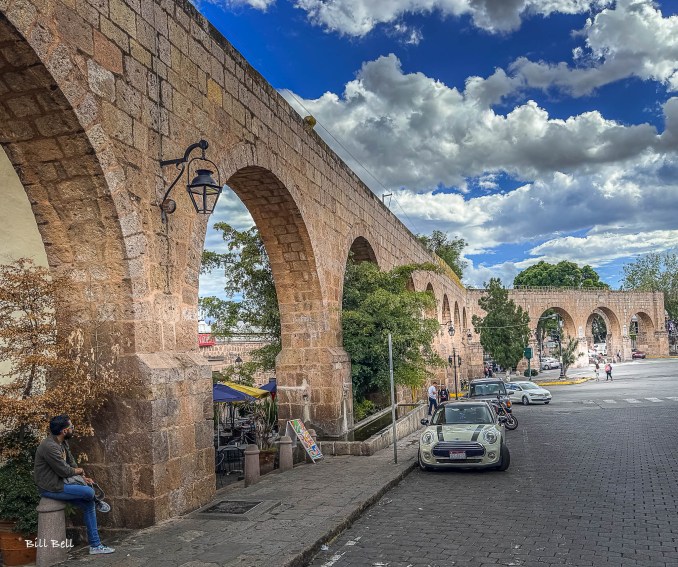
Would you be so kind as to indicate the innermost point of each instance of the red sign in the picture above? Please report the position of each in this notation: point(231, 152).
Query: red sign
point(205, 340)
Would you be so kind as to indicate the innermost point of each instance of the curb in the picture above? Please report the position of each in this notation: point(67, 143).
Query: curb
point(305, 555)
point(565, 382)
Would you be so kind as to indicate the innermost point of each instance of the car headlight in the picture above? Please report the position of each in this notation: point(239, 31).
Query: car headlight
point(427, 438)
point(491, 436)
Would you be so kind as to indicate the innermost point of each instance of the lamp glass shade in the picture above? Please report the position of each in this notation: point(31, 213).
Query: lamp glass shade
point(450, 330)
point(204, 192)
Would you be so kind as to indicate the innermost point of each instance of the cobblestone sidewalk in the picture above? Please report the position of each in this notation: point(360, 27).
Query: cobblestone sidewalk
point(307, 506)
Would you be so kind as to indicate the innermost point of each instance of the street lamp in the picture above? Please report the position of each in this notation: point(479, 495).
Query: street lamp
point(203, 190)
point(238, 366)
point(450, 327)
point(455, 360)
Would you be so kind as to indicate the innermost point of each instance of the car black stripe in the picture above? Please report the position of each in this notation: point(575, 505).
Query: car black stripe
point(476, 433)
point(440, 433)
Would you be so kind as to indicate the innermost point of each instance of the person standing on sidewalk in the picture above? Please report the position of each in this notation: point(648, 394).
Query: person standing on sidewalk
point(432, 397)
point(597, 372)
point(608, 372)
point(618, 356)
point(54, 467)
point(444, 393)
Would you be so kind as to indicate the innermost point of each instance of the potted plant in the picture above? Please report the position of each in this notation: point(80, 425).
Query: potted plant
point(265, 421)
point(18, 499)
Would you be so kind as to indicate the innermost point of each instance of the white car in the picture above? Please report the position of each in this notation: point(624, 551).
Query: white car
point(549, 363)
point(528, 393)
point(464, 434)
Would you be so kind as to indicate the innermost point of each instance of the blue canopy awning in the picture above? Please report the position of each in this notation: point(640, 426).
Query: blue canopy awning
point(222, 393)
point(270, 387)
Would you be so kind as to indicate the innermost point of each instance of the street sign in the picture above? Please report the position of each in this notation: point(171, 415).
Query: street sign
point(528, 352)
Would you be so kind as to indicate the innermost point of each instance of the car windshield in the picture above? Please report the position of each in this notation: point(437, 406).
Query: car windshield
point(448, 415)
point(529, 387)
point(490, 389)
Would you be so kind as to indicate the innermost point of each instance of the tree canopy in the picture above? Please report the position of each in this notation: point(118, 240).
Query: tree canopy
point(562, 274)
point(447, 250)
point(655, 272)
point(504, 331)
point(374, 303)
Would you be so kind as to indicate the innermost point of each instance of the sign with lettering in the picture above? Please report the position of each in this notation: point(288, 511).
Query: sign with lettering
point(297, 427)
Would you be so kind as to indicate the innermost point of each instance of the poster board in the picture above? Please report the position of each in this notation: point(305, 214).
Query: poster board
point(296, 428)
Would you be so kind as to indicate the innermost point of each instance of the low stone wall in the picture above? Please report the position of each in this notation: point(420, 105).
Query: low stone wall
point(404, 426)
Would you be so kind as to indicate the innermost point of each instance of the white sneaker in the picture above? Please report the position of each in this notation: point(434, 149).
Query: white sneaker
point(103, 507)
point(100, 550)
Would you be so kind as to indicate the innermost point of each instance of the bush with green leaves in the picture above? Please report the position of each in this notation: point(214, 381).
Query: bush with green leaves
point(18, 493)
point(532, 372)
point(363, 409)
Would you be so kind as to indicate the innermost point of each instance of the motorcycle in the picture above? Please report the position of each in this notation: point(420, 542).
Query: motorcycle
point(501, 409)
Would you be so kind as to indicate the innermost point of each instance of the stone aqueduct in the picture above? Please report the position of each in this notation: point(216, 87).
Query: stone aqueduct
point(94, 94)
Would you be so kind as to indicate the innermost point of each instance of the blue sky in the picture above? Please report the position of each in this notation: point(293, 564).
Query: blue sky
point(534, 129)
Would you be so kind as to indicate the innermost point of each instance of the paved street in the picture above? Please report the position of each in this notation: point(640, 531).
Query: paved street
point(592, 482)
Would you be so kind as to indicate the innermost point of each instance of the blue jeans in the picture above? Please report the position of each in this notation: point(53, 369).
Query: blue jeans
point(82, 497)
point(432, 404)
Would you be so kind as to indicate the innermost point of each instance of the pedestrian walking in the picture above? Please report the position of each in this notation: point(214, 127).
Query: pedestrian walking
point(58, 477)
point(432, 397)
point(444, 393)
point(597, 372)
point(608, 372)
point(618, 356)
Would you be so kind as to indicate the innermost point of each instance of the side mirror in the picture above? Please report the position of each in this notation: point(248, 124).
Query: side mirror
point(424, 422)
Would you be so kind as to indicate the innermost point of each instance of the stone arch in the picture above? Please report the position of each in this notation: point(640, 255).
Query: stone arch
point(310, 329)
point(362, 251)
point(447, 316)
point(614, 329)
point(432, 313)
point(641, 331)
point(457, 318)
point(464, 321)
point(45, 139)
point(287, 242)
point(569, 327)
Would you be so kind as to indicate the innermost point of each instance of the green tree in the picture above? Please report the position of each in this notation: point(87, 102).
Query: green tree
point(505, 330)
point(599, 329)
point(374, 304)
point(655, 272)
point(562, 274)
point(570, 354)
point(252, 304)
point(447, 250)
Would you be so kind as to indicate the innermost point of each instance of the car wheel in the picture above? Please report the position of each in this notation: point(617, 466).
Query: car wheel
point(546, 403)
point(505, 458)
point(526, 401)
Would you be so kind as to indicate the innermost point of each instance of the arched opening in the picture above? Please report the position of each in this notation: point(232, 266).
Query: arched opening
point(447, 317)
point(48, 150)
point(303, 331)
point(457, 320)
point(362, 251)
point(553, 330)
point(641, 332)
point(603, 334)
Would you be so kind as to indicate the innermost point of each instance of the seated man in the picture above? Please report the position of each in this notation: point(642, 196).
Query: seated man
point(53, 464)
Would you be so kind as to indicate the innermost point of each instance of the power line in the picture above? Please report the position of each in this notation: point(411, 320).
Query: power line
point(342, 146)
